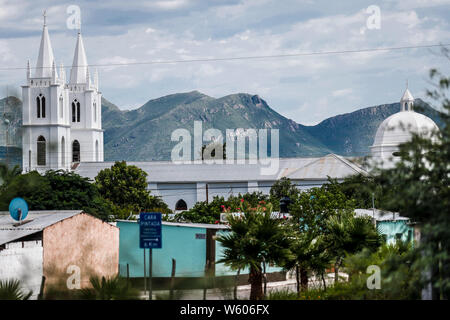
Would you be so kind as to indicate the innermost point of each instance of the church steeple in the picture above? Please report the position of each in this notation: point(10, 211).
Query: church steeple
point(45, 58)
point(78, 73)
point(407, 100)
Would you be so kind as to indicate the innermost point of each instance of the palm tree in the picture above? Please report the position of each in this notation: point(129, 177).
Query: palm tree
point(114, 288)
point(11, 290)
point(347, 234)
point(255, 239)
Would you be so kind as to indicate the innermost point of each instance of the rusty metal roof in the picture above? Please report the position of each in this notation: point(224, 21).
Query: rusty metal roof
point(36, 221)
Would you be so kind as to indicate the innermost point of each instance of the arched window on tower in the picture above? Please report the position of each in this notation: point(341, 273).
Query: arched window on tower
point(76, 151)
point(96, 151)
point(43, 107)
point(181, 205)
point(63, 152)
point(61, 106)
point(41, 156)
point(76, 113)
point(95, 111)
point(40, 106)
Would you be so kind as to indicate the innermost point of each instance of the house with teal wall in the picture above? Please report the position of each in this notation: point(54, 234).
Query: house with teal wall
point(390, 225)
point(192, 245)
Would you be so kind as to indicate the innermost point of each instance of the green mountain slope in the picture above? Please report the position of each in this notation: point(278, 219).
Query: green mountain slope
point(352, 134)
point(144, 134)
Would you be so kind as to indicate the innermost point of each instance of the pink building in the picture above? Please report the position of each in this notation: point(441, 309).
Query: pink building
point(59, 245)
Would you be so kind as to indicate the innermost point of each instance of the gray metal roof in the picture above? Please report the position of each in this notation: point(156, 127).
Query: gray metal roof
point(380, 215)
point(331, 165)
point(186, 224)
point(36, 221)
point(167, 171)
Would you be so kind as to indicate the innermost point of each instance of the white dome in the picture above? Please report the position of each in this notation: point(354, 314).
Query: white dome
point(398, 129)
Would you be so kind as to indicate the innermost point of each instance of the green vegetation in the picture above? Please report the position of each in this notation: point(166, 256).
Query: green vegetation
point(64, 190)
point(11, 290)
point(254, 241)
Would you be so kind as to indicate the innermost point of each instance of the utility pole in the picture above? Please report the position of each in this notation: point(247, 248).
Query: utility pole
point(207, 193)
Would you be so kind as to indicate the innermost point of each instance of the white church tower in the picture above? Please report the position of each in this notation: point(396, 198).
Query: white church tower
point(61, 121)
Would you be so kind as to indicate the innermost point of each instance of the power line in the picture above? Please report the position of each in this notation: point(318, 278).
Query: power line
point(291, 55)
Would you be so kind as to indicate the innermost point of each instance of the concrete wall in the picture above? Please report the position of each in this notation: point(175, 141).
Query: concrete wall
point(83, 241)
point(179, 243)
point(23, 261)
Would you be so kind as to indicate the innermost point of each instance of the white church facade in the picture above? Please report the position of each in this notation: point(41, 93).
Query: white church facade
point(62, 129)
point(61, 118)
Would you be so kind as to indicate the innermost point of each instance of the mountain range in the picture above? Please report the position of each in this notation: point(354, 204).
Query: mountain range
point(144, 134)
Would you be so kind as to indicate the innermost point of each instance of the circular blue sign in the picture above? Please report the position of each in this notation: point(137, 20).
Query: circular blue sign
point(18, 209)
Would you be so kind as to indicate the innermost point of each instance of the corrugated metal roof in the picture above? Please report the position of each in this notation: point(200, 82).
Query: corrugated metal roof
point(36, 221)
point(380, 215)
point(331, 165)
point(294, 168)
point(187, 224)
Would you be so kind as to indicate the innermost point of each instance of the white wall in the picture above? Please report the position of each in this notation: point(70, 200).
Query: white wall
point(23, 263)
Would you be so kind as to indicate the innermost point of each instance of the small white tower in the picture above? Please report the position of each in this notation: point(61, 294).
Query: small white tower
point(407, 100)
point(85, 108)
point(45, 122)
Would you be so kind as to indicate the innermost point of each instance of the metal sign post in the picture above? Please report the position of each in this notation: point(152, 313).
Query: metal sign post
point(150, 290)
point(150, 237)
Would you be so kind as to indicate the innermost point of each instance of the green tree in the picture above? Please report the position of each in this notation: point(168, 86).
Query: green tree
point(419, 183)
point(126, 187)
point(282, 188)
point(255, 238)
point(7, 174)
point(56, 190)
point(346, 234)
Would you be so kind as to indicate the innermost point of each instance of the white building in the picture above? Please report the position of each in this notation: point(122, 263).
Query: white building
point(61, 119)
point(398, 129)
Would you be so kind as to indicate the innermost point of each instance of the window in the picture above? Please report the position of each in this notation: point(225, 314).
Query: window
point(76, 151)
point(41, 156)
point(76, 111)
point(63, 152)
point(96, 150)
point(181, 205)
point(61, 106)
point(95, 111)
point(40, 106)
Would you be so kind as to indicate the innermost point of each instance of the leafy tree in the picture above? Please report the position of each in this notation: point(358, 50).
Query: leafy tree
point(204, 212)
point(7, 174)
point(56, 190)
point(209, 151)
point(282, 188)
point(420, 190)
point(126, 187)
point(347, 234)
point(255, 238)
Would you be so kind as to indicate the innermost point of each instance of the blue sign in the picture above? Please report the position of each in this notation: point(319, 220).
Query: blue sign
point(150, 230)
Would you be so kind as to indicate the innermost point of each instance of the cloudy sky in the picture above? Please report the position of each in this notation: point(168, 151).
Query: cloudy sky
point(306, 88)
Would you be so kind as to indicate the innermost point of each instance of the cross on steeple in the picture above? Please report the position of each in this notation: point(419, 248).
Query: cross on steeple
point(45, 17)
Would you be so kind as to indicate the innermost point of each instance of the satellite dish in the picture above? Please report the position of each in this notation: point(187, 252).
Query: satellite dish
point(18, 209)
